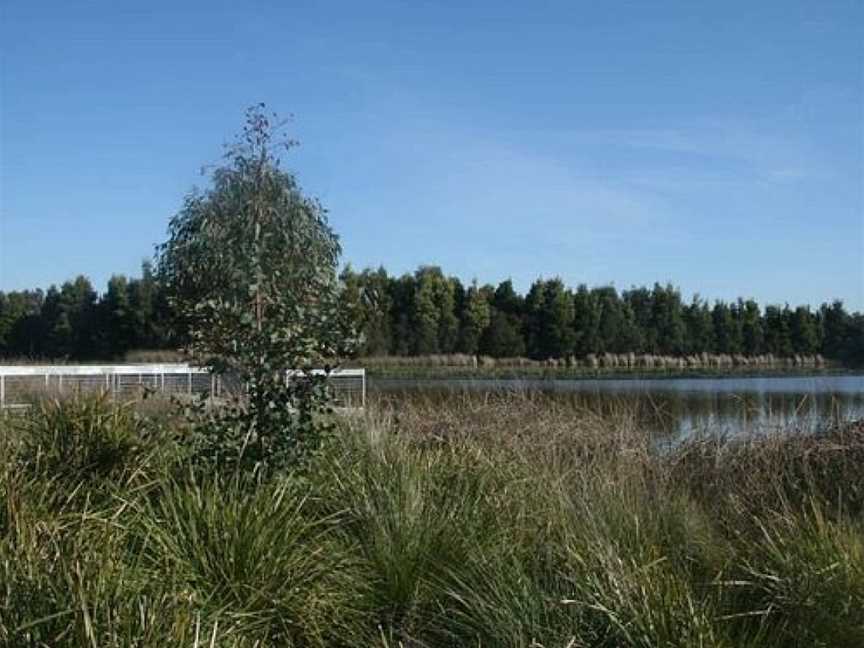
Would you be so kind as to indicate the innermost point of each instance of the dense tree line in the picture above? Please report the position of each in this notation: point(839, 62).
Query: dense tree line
point(75, 322)
point(428, 312)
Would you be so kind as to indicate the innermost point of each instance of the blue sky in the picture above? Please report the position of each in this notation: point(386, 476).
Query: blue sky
point(719, 146)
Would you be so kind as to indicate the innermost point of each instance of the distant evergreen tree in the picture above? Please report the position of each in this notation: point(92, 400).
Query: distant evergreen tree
point(448, 320)
point(507, 301)
point(475, 318)
point(853, 353)
point(7, 320)
point(22, 331)
point(778, 337)
point(630, 337)
point(351, 303)
point(668, 320)
point(376, 301)
point(611, 324)
point(73, 333)
point(587, 313)
point(803, 330)
point(641, 303)
point(700, 327)
point(835, 323)
point(10, 312)
point(117, 330)
point(404, 316)
point(426, 316)
point(503, 337)
point(752, 333)
point(550, 310)
point(437, 328)
point(151, 313)
point(460, 305)
point(727, 333)
point(533, 321)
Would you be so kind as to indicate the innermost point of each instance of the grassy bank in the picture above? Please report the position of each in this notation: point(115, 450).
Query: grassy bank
point(432, 372)
point(495, 520)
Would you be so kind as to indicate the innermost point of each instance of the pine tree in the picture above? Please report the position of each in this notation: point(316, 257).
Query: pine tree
point(752, 333)
point(641, 302)
point(71, 318)
point(778, 337)
point(835, 322)
point(475, 320)
point(377, 304)
point(727, 332)
point(668, 319)
point(403, 316)
point(700, 327)
point(503, 337)
point(426, 315)
point(116, 320)
point(586, 322)
point(553, 314)
point(804, 334)
point(534, 313)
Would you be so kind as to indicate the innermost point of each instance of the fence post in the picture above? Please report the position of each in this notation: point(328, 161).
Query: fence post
point(2, 391)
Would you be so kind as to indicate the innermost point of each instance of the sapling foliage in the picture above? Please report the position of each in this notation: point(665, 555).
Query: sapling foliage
point(250, 266)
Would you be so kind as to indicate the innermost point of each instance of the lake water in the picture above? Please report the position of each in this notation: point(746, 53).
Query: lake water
point(680, 407)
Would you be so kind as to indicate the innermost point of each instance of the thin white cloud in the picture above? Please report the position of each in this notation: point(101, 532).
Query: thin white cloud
point(721, 152)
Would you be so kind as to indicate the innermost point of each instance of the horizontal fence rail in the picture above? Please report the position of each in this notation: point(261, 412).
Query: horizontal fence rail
point(20, 384)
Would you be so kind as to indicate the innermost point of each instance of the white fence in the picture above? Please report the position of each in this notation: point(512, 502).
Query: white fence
point(20, 384)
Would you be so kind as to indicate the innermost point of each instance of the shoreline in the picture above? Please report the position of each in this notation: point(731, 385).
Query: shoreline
point(551, 374)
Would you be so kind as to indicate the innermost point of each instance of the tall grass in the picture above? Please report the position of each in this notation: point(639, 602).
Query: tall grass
point(472, 520)
point(254, 559)
point(460, 364)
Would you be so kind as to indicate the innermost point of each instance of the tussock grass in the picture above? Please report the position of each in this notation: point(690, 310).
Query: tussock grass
point(468, 520)
point(256, 559)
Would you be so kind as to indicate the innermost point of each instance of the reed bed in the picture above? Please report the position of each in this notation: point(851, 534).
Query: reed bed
point(462, 520)
point(602, 361)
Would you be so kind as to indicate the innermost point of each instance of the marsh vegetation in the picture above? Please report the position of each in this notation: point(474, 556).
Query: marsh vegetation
point(497, 519)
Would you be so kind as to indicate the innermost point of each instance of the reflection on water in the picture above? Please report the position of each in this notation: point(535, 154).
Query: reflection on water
point(678, 408)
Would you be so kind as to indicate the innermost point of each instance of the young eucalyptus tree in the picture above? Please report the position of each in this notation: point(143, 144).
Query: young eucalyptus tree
point(250, 266)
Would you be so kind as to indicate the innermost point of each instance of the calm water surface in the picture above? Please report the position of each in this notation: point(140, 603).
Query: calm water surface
point(681, 407)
